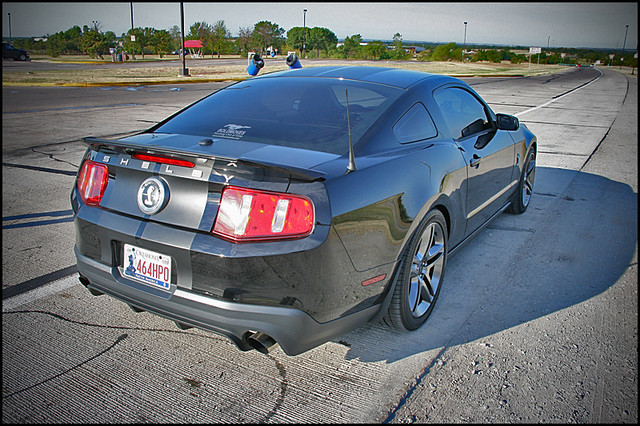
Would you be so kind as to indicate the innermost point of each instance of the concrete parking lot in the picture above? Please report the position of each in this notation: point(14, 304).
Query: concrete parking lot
point(537, 320)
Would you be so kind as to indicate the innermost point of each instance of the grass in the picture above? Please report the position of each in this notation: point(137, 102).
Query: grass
point(119, 73)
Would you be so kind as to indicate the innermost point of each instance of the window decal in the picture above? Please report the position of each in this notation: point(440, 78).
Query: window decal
point(231, 131)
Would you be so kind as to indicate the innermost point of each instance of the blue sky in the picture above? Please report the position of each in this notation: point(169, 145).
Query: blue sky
point(599, 25)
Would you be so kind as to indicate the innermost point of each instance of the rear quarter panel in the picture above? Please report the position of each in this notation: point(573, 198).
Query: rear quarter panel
point(376, 209)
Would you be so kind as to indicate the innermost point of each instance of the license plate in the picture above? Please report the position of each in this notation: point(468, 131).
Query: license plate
point(147, 266)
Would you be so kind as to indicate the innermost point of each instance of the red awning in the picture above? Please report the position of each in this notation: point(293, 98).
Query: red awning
point(192, 43)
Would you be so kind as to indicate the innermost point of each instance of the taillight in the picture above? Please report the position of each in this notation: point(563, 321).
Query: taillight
point(163, 160)
point(252, 215)
point(92, 181)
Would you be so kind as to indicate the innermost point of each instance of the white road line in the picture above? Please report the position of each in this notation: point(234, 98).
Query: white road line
point(559, 97)
point(40, 292)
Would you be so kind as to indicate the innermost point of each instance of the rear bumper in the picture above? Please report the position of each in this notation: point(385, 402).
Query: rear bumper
point(294, 330)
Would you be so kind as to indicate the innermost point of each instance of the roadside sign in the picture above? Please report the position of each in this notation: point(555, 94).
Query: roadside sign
point(133, 38)
point(533, 51)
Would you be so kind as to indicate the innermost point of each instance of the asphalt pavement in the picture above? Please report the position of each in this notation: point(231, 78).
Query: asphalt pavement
point(536, 322)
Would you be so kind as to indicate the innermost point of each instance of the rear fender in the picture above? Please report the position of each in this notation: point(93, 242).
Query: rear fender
point(376, 209)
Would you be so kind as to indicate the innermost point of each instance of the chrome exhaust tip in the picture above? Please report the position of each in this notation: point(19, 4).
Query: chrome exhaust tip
point(85, 282)
point(261, 342)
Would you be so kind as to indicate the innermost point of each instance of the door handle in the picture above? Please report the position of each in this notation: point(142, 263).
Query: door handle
point(475, 161)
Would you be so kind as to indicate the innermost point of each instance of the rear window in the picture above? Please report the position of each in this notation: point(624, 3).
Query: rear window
point(298, 112)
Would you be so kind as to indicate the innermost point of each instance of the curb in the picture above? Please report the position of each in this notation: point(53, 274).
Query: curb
point(116, 84)
point(208, 80)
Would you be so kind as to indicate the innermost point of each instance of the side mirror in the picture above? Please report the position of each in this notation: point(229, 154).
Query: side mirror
point(507, 122)
point(475, 127)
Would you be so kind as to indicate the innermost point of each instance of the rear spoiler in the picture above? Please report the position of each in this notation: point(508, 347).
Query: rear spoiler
point(118, 145)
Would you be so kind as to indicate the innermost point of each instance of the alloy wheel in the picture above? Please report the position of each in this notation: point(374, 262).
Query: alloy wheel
point(426, 270)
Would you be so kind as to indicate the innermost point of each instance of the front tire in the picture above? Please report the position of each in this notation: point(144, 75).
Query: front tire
point(421, 274)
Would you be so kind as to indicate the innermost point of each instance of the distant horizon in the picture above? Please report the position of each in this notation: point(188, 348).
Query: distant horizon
point(409, 42)
point(587, 25)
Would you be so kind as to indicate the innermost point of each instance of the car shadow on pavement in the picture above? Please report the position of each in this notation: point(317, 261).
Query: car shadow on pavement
point(569, 246)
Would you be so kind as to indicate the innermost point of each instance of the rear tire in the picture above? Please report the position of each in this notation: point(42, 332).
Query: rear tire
point(524, 191)
point(420, 275)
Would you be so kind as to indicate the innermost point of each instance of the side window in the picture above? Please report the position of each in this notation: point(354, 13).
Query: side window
point(415, 125)
point(464, 114)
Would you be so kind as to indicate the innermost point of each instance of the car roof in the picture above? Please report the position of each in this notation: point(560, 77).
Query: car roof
point(396, 77)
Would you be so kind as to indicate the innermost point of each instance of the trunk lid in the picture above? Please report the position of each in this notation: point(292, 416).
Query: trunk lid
point(194, 171)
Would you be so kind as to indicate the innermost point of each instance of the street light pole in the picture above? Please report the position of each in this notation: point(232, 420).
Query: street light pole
point(465, 41)
point(10, 41)
point(304, 31)
point(624, 44)
point(625, 37)
point(133, 43)
point(184, 71)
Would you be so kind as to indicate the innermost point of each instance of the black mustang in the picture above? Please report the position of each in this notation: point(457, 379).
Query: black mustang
point(295, 206)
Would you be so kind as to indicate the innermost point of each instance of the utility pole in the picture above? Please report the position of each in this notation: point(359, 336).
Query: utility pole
point(10, 40)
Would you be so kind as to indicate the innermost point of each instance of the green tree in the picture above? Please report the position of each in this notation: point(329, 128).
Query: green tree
point(518, 58)
point(494, 56)
point(219, 38)
point(176, 36)
point(376, 50)
point(425, 55)
point(352, 47)
point(398, 52)
point(321, 39)
point(161, 42)
point(296, 38)
point(488, 55)
point(447, 52)
point(244, 40)
point(72, 40)
point(505, 54)
point(199, 31)
point(94, 43)
point(55, 44)
point(63, 42)
point(143, 38)
point(266, 34)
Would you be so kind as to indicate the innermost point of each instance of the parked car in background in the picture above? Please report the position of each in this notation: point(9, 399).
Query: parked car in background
point(10, 52)
point(293, 207)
